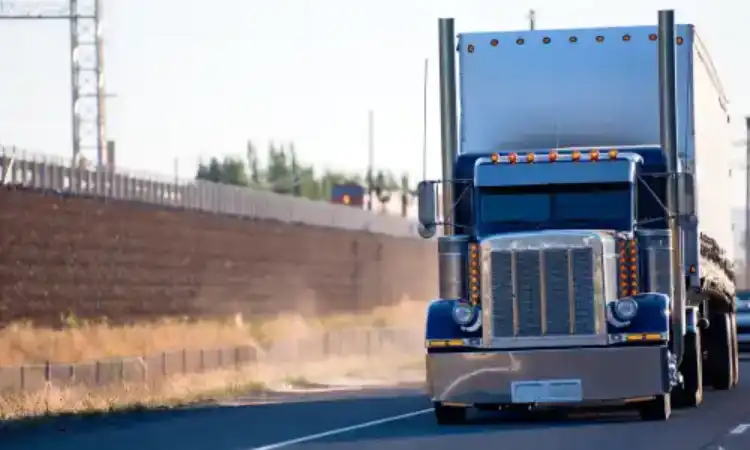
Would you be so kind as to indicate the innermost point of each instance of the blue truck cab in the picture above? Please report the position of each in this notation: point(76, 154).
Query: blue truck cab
point(557, 260)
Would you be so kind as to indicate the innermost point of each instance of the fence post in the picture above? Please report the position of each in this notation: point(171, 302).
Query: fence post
point(356, 276)
point(368, 344)
point(379, 277)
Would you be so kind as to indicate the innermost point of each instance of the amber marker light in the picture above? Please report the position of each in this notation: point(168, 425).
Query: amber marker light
point(474, 272)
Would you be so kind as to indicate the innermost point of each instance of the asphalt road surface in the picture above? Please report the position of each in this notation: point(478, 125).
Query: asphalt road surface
point(392, 419)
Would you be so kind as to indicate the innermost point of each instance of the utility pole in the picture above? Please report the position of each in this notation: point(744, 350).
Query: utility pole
point(424, 120)
point(87, 102)
point(532, 20)
point(370, 156)
point(747, 203)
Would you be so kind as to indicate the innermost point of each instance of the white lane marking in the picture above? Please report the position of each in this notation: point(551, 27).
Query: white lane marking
point(336, 431)
point(741, 428)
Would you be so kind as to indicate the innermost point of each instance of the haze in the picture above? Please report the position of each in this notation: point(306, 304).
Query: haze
point(197, 78)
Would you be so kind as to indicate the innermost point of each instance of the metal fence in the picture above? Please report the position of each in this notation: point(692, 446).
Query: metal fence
point(52, 173)
point(154, 368)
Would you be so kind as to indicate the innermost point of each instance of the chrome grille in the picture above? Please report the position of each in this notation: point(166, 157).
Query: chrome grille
point(555, 292)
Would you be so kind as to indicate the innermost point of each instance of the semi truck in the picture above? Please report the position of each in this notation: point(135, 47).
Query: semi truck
point(584, 257)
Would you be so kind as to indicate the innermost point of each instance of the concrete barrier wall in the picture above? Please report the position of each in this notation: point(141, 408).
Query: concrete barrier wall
point(126, 260)
point(29, 170)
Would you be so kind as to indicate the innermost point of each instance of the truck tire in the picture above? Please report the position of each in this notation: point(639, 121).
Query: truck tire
point(658, 409)
point(449, 415)
point(720, 361)
point(735, 351)
point(690, 394)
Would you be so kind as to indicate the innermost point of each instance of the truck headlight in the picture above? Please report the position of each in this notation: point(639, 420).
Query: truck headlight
point(463, 313)
point(626, 309)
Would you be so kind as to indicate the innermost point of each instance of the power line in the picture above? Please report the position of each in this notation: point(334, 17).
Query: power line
point(87, 87)
point(424, 120)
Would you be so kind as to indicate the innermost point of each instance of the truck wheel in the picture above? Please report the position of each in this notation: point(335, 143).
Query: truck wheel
point(449, 415)
point(735, 351)
point(720, 360)
point(690, 394)
point(658, 409)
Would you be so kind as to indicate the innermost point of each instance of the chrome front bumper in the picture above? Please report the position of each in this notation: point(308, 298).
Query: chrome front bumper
point(604, 374)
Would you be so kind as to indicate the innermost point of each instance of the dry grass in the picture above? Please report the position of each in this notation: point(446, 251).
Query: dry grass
point(79, 400)
point(23, 343)
point(278, 368)
point(185, 390)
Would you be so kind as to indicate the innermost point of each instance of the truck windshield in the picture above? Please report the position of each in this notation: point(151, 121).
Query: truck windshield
point(590, 206)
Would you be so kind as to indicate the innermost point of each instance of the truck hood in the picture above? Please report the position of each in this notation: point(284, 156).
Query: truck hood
point(543, 239)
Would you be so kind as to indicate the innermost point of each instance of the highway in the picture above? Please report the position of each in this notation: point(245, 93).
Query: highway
point(393, 418)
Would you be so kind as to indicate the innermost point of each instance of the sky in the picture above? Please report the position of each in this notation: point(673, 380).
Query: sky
point(198, 78)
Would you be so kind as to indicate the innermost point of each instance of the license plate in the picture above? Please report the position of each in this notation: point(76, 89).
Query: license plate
point(546, 391)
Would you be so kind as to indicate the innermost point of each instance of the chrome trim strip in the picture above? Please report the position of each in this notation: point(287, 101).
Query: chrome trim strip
point(571, 294)
point(542, 293)
point(514, 278)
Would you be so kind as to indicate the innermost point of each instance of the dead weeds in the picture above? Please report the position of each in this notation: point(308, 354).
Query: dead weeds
point(78, 341)
point(278, 368)
point(186, 390)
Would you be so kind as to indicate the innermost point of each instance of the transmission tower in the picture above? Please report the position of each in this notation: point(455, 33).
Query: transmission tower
point(87, 102)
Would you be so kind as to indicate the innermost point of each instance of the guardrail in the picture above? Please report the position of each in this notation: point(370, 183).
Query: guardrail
point(55, 174)
point(154, 368)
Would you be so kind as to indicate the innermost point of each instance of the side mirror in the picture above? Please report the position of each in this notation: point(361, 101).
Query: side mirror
point(426, 198)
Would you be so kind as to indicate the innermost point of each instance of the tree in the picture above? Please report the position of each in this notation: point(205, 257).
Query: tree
point(278, 171)
point(233, 172)
point(252, 163)
point(405, 194)
point(229, 171)
point(296, 182)
point(385, 186)
point(284, 173)
point(210, 172)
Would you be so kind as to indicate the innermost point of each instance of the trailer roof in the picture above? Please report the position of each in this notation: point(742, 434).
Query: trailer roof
point(573, 31)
